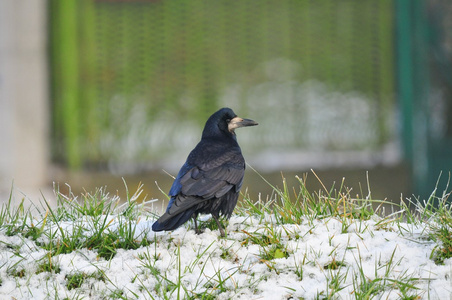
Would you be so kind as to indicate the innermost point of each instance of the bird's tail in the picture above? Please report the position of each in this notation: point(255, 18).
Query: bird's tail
point(172, 222)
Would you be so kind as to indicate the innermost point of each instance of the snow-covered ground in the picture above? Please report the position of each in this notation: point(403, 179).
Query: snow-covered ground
point(342, 258)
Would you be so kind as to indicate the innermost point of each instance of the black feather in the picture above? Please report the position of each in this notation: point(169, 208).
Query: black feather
point(211, 178)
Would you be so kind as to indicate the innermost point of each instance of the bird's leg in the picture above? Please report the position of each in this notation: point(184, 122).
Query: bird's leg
point(219, 225)
point(196, 224)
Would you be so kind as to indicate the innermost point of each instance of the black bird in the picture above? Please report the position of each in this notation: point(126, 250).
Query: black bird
point(211, 178)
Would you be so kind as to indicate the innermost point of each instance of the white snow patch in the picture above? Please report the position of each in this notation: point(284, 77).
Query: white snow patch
point(233, 267)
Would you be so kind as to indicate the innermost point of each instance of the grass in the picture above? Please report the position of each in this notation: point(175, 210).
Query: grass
point(76, 280)
point(83, 237)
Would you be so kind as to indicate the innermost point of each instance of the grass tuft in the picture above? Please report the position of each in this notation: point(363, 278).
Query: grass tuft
point(280, 236)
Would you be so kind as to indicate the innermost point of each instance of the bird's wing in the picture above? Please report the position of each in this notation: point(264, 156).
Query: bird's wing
point(196, 184)
point(215, 177)
point(177, 185)
point(211, 183)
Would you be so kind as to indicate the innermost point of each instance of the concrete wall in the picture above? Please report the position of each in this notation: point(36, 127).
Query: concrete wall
point(24, 105)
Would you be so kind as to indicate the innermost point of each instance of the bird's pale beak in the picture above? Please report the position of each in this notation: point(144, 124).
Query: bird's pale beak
point(238, 122)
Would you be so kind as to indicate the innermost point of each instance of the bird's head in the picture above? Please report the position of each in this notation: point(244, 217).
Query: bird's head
point(224, 122)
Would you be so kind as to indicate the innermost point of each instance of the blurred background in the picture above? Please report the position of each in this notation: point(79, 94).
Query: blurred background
point(93, 91)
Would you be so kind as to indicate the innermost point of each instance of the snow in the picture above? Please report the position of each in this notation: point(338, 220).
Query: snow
point(233, 267)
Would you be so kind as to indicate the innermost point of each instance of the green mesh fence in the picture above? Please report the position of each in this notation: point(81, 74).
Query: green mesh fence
point(134, 81)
